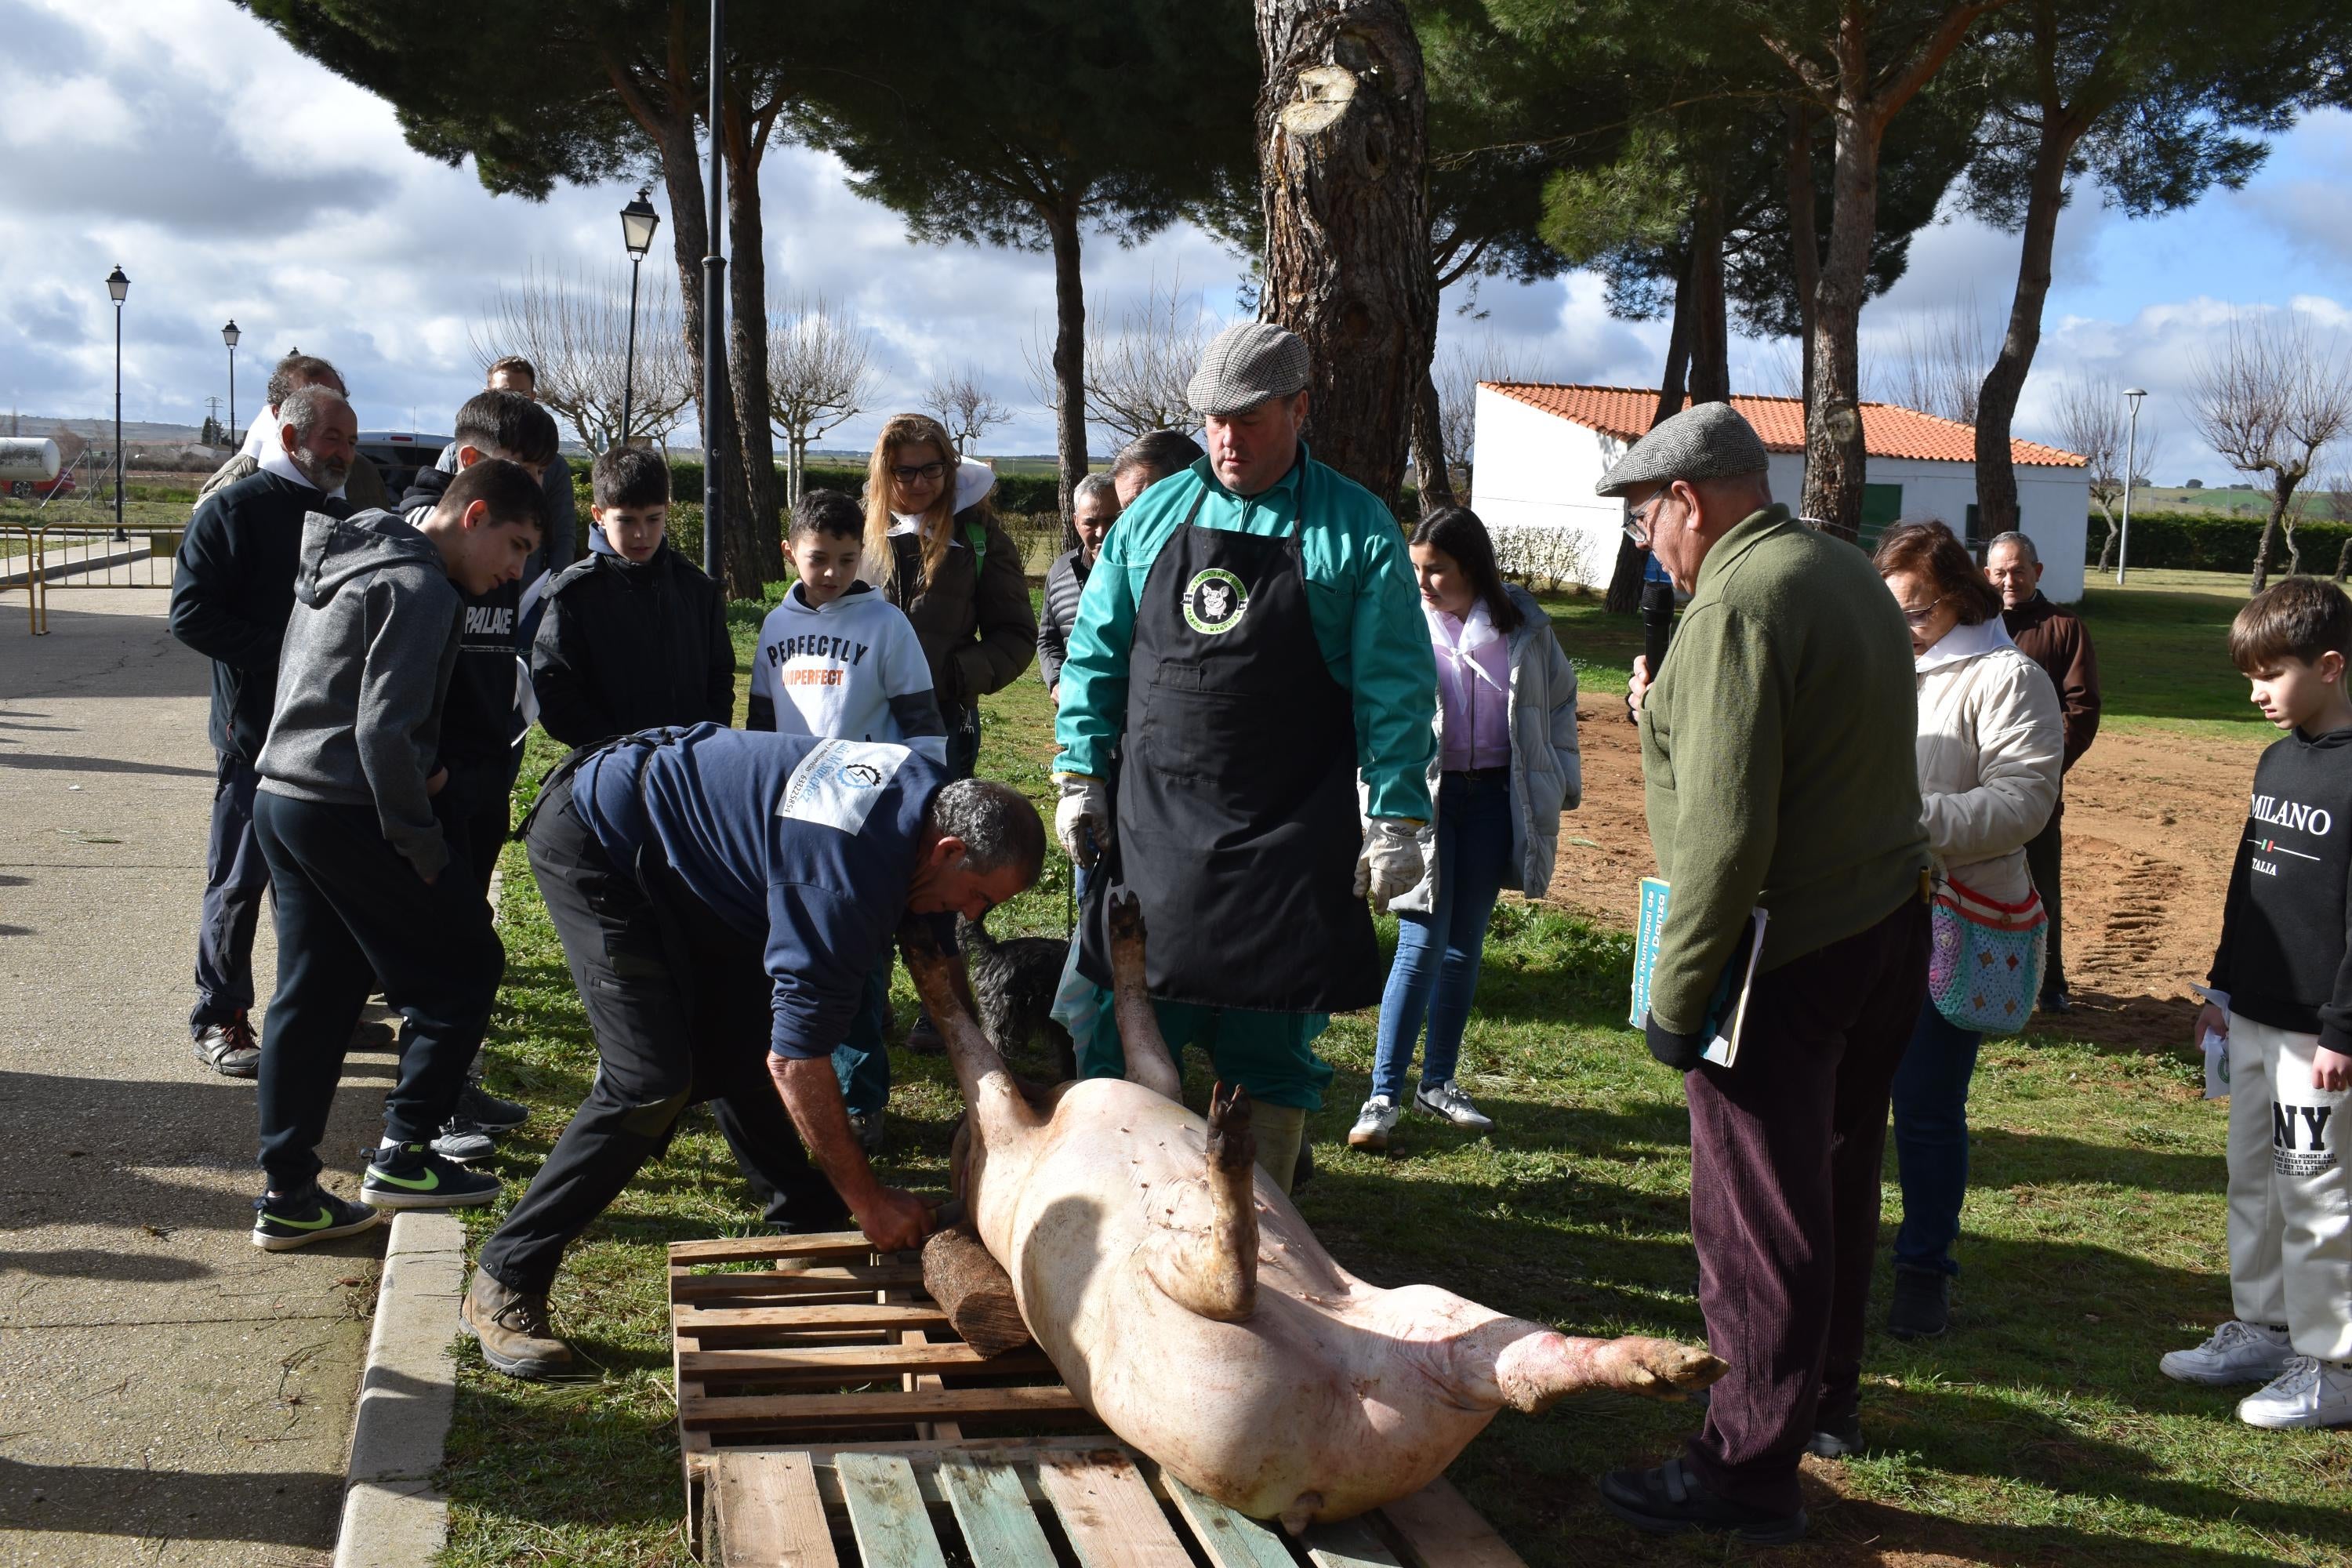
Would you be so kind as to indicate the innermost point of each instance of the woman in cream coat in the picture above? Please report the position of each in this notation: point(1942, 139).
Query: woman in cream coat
point(1990, 740)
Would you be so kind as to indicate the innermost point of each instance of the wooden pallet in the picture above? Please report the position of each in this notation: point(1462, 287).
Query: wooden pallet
point(829, 1417)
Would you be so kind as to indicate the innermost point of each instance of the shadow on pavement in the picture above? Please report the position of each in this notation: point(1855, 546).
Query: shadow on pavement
point(286, 1507)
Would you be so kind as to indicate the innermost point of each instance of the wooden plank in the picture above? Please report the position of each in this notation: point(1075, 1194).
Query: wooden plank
point(885, 1513)
point(850, 1361)
point(688, 1318)
point(1108, 1512)
point(868, 1409)
point(992, 1509)
point(1349, 1543)
point(769, 1514)
point(754, 1248)
point(1441, 1529)
point(838, 1279)
point(1232, 1540)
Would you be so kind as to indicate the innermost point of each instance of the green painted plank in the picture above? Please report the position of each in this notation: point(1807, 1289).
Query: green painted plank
point(992, 1509)
point(1351, 1544)
point(885, 1511)
point(1232, 1540)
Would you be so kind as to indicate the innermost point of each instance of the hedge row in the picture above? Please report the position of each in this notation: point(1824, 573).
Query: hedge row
point(1014, 493)
point(2217, 541)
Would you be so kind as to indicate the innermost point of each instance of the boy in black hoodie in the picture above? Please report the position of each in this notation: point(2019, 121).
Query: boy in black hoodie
point(2281, 996)
point(634, 635)
point(361, 868)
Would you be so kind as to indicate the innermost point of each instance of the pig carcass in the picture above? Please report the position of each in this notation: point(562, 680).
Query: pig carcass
point(1185, 1301)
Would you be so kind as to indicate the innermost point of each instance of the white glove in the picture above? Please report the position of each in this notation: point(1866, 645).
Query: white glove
point(1082, 821)
point(1390, 865)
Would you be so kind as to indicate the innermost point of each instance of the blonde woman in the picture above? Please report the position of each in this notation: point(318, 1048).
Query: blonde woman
point(933, 544)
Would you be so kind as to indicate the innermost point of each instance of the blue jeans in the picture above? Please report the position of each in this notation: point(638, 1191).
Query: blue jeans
point(1437, 954)
point(235, 876)
point(1931, 1139)
point(862, 1061)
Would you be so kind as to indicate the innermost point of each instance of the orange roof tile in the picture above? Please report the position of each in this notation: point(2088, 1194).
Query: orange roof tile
point(1888, 430)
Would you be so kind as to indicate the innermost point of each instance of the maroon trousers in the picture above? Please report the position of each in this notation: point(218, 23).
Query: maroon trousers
point(1785, 1150)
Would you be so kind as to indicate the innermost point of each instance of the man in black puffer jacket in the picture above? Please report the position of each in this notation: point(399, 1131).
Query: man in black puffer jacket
point(635, 636)
point(1094, 506)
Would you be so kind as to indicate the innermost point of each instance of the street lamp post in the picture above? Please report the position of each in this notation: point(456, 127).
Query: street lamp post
point(2131, 461)
point(639, 221)
point(714, 311)
point(230, 335)
point(117, 286)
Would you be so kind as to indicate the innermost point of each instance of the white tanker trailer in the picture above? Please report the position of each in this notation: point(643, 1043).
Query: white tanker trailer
point(31, 459)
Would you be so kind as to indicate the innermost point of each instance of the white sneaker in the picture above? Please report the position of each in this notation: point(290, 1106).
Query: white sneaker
point(2309, 1393)
point(2238, 1353)
point(1374, 1122)
point(1447, 1102)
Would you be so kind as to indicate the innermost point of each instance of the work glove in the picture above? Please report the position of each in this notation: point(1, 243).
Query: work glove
point(1082, 821)
point(1390, 863)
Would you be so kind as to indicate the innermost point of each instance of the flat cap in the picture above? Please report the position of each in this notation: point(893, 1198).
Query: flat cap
point(1244, 365)
point(1704, 441)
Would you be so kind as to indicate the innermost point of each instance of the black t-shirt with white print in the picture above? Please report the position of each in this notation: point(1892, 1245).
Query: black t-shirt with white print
point(2283, 956)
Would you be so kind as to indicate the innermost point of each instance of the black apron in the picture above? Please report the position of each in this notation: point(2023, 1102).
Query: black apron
point(1235, 800)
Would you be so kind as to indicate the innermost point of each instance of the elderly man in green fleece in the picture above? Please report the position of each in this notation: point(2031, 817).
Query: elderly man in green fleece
point(1250, 640)
point(1776, 752)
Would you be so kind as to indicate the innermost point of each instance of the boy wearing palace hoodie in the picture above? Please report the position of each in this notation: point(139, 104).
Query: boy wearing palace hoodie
point(365, 889)
point(838, 659)
point(2281, 996)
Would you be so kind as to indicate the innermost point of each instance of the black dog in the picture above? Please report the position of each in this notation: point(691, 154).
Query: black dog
point(1013, 982)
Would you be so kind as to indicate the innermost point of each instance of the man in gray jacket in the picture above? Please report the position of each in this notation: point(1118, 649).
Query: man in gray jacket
point(356, 857)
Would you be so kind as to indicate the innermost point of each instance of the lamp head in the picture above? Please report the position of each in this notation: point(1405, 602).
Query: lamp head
point(639, 221)
point(2135, 392)
point(117, 285)
point(229, 334)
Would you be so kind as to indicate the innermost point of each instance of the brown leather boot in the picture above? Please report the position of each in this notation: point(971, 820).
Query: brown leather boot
point(513, 1329)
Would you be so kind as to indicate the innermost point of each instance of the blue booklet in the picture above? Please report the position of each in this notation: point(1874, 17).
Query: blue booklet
point(1727, 1013)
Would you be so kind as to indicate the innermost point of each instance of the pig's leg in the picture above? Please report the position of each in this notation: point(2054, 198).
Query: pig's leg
point(1527, 1366)
point(1213, 1273)
point(1148, 1061)
point(998, 1110)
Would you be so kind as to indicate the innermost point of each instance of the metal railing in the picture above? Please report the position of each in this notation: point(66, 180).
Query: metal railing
point(50, 554)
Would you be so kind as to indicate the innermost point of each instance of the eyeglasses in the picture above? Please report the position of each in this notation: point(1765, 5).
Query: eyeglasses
point(1921, 618)
point(1637, 524)
point(908, 475)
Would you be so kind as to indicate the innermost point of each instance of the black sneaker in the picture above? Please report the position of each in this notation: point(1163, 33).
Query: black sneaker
point(1922, 1306)
point(1670, 1500)
point(869, 1127)
point(461, 1140)
point(1835, 1437)
point(230, 1049)
point(411, 1176)
point(489, 1113)
point(2057, 1002)
point(280, 1225)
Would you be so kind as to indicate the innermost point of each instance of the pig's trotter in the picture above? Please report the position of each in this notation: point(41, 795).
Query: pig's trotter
point(1213, 1273)
point(1665, 1368)
point(1126, 920)
point(1233, 1146)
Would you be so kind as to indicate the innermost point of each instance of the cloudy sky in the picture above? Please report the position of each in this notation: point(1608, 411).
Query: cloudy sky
point(229, 177)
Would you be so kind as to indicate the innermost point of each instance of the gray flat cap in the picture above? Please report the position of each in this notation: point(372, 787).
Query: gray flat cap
point(1705, 441)
point(1245, 364)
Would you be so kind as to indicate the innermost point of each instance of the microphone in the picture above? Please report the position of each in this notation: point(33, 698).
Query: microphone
point(1657, 626)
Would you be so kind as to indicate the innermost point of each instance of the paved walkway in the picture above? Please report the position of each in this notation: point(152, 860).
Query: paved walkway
point(168, 1392)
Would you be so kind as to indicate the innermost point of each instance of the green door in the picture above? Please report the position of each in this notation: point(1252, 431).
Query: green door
point(1881, 506)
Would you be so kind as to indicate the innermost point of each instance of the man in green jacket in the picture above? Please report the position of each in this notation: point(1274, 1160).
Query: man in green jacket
point(1778, 746)
point(1250, 640)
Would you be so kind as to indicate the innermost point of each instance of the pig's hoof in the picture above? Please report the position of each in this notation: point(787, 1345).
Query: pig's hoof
point(1126, 918)
point(1666, 1369)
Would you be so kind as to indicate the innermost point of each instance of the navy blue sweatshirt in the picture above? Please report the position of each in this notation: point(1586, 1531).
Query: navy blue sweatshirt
point(807, 844)
point(2285, 958)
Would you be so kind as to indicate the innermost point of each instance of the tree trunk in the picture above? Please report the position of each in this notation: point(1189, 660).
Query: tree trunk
point(2108, 547)
point(1624, 598)
point(1804, 237)
point(2261, 576)
point(1835, 461)
point(2005, 381)
point(1341, 150)
point(1070, 359)
point(1431, 461)
point(753, 548)
point(1707, 335)
point(2344, 562)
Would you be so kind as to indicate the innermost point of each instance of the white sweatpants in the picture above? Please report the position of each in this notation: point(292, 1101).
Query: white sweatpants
point(2290, 1193)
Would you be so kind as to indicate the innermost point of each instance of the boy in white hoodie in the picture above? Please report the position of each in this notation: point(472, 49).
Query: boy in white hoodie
point(837, 659)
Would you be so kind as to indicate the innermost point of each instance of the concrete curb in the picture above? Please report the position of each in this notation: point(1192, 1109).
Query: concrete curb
point(393, 1516)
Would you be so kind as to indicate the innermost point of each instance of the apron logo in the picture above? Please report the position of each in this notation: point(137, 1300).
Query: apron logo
point(1213, 601)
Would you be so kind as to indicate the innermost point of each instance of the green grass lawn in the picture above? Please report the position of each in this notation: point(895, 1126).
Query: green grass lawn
point(2039, 1432)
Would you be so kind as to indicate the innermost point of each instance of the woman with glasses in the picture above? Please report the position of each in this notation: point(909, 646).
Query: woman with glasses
point(1989, 743)
point(933, 544)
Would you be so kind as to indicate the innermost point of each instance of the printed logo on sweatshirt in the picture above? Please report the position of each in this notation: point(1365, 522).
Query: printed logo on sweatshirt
point(814, 646)
point(837, 784)
point(1213, 601)
point(2272, 846)
point(493, 622)
point(2273, 812)
point(2299, 1145)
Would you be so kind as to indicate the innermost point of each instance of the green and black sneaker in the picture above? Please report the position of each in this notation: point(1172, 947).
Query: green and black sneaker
point(280, 1225)
point(412, 1176)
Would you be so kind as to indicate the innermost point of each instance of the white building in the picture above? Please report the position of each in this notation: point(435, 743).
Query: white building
point(1540, 448)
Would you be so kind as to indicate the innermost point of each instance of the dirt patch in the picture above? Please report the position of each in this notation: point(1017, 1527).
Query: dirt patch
point(2152, 822)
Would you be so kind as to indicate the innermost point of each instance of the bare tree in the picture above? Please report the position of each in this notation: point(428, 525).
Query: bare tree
point(966, 407)
point(2094, 424)
point(820, 374)
point(2270, 401)
point(1135, 379)
point(1460, 367)
point(1939, 365)
point(575, 330)
point(2338, 499)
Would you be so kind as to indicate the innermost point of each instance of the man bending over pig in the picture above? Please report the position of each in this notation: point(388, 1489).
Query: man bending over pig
point(722, 894)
